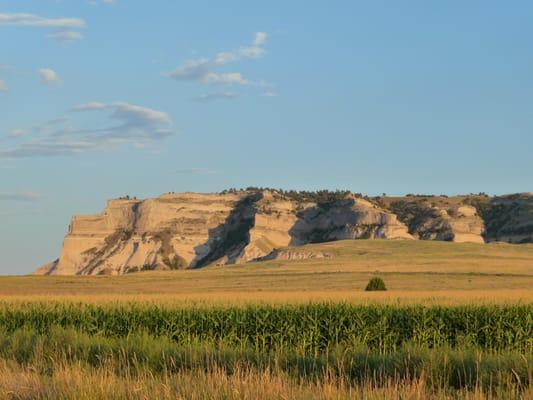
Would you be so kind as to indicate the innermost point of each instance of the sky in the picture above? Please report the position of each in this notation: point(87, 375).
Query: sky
point(102, 98)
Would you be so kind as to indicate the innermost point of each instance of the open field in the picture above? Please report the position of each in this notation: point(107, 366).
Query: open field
point(414, 271)
point(456, 322)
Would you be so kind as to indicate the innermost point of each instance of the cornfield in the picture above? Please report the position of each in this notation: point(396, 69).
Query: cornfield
point(307, 329)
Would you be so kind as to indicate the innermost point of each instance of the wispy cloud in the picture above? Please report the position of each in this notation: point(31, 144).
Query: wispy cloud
point(200, 71)
point(204, 70)
point(260, 38)
point(19, 196)
point(49, 76)
point(129, 124)
point(206, 98)
point(32, 20)
point(66, 36)
point(269, 90)
point(3, 86)
point(65, 25)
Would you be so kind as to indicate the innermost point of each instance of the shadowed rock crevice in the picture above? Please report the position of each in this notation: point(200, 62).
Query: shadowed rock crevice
point(229, 239)
point(114, 243)
point(507, 218)
point(349, 218)
point(439, 218)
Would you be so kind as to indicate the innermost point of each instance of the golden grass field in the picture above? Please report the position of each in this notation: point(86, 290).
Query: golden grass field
point(75, 382)
point(414, 271)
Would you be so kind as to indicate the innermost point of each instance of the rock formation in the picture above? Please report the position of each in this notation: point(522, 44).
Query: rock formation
point(169, 232)
point(509, 218)
point(190, 230)
point(439, 219)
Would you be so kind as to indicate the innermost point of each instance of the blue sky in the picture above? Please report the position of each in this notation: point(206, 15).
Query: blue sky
point(100, 99)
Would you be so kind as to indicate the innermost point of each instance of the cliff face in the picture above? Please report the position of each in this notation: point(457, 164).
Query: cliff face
point(509, 218)
point(440, 218)
point(190, 230)
point(169, 232)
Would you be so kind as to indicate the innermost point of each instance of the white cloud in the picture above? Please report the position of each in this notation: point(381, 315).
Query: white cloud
point(65, 25)
point(3, 86)
point(194, 70)
point(17, 133)
point(229, 78)
point(203, 69)
point(130, 114)
point(198, 70)
point(19, 196)
point(205, 98)
point(252, 52)
point(93, 105)
point(49, 76)
point(40, 22)
point(260, 38)
point(66, 36)
point(225, 58)
point(128, 124)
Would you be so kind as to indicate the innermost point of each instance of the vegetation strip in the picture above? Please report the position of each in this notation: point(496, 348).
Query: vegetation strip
point(138, 353)
point(308, 329)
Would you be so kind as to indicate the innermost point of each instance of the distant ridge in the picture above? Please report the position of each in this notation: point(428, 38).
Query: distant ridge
point(191, 230)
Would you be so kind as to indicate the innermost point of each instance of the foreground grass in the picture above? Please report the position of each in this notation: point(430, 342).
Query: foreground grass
point(66, 364)
point(75, 382)
point(314, 351)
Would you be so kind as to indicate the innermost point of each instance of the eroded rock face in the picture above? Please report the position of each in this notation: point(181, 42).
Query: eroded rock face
point(351, 218)
point(438, 219)
point(169, 232)
point(509, 218)
point(274, 216)
point(190, 230)
point(280, 222)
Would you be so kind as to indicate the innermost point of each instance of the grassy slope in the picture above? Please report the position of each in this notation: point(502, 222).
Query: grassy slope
point(413, 270)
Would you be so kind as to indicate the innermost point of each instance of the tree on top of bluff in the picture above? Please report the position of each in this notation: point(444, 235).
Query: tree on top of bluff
point(318, 196)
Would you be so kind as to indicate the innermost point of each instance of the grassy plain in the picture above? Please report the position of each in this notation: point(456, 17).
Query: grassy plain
point(414, 271)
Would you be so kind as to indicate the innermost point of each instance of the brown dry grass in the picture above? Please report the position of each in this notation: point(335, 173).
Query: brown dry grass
point(414, 271)
point(77, 382)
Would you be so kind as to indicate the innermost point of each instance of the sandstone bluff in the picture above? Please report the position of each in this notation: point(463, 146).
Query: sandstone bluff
point(192, 230)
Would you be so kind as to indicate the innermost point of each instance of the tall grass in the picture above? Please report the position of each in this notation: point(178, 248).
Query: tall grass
point(74, 382)
point(314, 351)
point(307, 329)
point(141, 354)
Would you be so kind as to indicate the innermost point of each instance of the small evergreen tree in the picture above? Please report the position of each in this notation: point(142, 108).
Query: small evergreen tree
point(375, 284)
